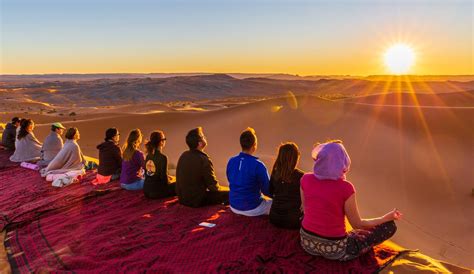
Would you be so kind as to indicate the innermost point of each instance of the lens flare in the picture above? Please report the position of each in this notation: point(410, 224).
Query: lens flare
point(291, 100)
point(276, 108)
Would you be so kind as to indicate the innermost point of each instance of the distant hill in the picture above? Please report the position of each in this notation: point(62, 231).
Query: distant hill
point(100, 92)
point(276, 76)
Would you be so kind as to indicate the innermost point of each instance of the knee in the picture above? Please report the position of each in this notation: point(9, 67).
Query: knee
point(390, 228)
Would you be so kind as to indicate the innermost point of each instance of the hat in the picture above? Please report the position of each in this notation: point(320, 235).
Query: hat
point(58, 125)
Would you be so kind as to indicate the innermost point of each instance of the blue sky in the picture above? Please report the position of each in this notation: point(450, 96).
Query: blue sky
point(305, 37)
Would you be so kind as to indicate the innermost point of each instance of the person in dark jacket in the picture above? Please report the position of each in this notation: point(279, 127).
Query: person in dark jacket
point(110, 155)
point(286, 209)
point(157, 182)
point(196, 182)
point(9, 134)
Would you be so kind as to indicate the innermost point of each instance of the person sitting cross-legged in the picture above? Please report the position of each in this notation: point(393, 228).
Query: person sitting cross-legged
point(248, 179)
point(133, 164)
point(286, 211)
point(158, 184)
point(328, 198)
point(196, 182)
point(9, 134)
point(27, 147)
point(110, 157)
point(52, 144)
point(69, 161)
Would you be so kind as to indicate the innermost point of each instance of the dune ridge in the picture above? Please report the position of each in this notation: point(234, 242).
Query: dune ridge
point(111, 92)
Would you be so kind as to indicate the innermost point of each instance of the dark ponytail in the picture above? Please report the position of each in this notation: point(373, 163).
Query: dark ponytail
point(155, 139)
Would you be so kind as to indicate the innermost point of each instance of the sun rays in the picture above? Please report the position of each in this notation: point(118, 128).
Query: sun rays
point(403, 111)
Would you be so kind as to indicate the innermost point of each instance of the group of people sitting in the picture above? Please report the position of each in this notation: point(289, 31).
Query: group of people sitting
point(54, 158)
point(316, 203)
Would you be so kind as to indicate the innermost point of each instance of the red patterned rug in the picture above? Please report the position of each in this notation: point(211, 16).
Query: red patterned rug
point(81, 228)
point(5, 159)
point(25, 195)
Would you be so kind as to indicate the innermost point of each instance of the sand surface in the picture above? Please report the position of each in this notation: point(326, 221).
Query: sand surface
point(416, 159)
point(4, 265)
point(462, 99)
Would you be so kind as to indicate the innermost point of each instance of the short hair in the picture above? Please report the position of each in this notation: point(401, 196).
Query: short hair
point(71, 132)
point(110, 133)
point(194, 137)
point(248, 138)
point(16, 120)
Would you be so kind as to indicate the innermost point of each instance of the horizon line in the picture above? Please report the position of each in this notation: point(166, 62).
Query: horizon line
point(210, 73)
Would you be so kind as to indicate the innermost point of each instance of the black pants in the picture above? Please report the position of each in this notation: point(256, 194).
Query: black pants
point(215, 198)
point(288, 221)
point(169, 191)
point(360, 241)
point(356, 243)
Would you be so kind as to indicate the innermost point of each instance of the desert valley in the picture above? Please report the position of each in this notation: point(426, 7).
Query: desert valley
point(406, 137)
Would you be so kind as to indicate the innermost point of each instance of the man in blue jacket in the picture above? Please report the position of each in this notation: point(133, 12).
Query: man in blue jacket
point(248, 179)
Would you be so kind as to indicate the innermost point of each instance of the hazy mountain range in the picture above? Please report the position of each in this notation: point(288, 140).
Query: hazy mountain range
point(277, 76)
point(115, 91)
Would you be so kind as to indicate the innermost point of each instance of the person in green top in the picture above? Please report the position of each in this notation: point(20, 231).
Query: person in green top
point(158, 184)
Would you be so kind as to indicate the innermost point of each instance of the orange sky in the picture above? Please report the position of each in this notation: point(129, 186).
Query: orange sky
point(306, 38)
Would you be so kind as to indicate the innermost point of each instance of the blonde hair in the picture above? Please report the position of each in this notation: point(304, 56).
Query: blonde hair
point(133, 143)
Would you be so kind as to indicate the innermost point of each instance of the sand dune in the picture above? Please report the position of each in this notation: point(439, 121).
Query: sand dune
point(114, 92)
point(455, 99)
point(415, 159)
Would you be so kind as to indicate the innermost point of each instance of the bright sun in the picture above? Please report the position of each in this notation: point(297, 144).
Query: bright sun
point(399, 58)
